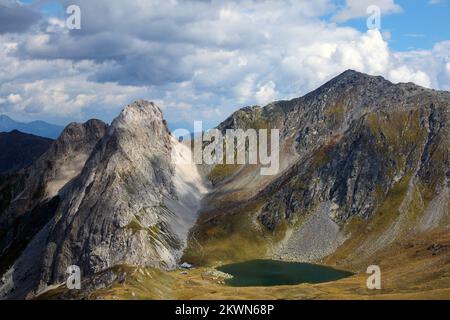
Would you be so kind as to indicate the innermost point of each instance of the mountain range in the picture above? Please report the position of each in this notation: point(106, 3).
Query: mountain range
point(37, 128)
point(364, 179)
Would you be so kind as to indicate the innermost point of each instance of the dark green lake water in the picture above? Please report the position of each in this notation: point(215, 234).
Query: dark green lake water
point(273, 273)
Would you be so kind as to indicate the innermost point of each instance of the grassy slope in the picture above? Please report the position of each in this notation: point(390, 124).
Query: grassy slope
point(425, 276)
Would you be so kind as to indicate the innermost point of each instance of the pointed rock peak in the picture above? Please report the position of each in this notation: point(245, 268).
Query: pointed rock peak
point(351, 72)
point(351, 79)
point(144, 104)
point(139, 109)
point(139, 114)
point(349, 75)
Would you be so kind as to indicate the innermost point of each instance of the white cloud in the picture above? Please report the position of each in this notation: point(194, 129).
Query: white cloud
point(444, 76)
point(405, 74)
point(431, 63)
point(266, 93)
point(244, 90)
point(198, 59)
point(14, 98)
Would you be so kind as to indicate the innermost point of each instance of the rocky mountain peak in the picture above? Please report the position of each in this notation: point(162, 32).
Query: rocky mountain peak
point(355, 77)
point(129, 203)
point(90, 126)
point(80, 135)
point(355, 81)
point(137, 113)
point(141, 120)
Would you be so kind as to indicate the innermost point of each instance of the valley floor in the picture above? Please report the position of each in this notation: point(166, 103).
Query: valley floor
point(417, 269)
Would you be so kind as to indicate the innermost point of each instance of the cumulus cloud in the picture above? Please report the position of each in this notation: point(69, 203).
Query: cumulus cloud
point(405, 74)
point(197, 59)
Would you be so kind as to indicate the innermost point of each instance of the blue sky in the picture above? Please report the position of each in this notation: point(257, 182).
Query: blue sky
point(419, 26)
point(202, 60)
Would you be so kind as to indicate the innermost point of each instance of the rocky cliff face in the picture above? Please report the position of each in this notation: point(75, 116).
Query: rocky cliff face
point(380, 155)
point(130, 205)
point(359, 140)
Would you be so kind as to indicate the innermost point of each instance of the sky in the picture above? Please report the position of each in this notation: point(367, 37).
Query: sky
point(204, 59)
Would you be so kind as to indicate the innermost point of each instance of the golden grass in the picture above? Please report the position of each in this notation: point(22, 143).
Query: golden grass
point(409, 270)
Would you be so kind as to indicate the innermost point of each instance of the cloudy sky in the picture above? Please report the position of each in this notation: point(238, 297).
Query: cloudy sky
point(201, 59)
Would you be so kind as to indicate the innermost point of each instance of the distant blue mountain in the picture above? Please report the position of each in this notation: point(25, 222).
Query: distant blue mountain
point(37, 128)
